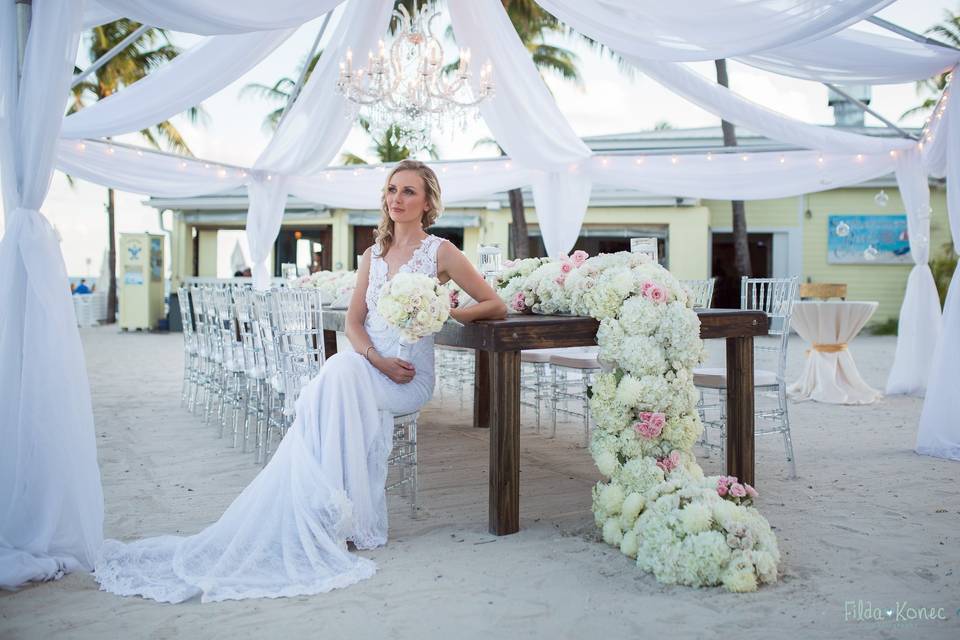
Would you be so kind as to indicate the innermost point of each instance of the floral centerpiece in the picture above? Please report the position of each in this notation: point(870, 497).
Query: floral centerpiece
point(332, 284)
point(416, 305)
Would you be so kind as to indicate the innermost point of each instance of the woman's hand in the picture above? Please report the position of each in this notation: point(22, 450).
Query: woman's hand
point(400, 371)
point(457, 314)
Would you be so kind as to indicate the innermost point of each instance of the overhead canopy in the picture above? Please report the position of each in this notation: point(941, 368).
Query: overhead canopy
point(39, 346)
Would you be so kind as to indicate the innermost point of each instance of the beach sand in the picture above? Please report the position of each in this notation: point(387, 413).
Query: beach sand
point(868, 524)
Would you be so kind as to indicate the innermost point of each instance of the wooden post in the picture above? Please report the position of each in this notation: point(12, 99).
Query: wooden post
point(481, 390)
point(329, 343)
point(504, 380)
point(740, 409)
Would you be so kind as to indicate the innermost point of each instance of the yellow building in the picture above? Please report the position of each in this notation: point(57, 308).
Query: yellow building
point(788, 236)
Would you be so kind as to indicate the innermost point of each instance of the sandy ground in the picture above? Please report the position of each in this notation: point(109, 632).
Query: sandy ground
point(868, 524)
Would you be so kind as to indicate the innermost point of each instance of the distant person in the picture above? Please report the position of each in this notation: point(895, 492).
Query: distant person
point(246, 273)
point(82, 288)
point(317, 262)
point(238, 274)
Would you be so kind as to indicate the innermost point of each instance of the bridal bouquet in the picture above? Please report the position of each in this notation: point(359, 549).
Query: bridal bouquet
point(416, 305)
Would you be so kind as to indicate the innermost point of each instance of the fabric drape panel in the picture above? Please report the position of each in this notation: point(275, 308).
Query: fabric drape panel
point(212, 17)
point(855, 57)
point(268, 198)
point(706, 29)
point(51, 501)
point(734, 108)
point(360, 188)
point(728, 176)
point(142, 171)
point(919, 326)
point(95, 15)
point(314, 128)
point(939, 431)
point(180, 84)
point(525, 120)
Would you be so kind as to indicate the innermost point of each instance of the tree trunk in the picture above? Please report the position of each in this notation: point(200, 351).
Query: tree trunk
point(519, 238)
point(741, 246)
point(111, 259)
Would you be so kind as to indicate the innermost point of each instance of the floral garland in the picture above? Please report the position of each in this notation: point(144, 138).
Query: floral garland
point(656, 505)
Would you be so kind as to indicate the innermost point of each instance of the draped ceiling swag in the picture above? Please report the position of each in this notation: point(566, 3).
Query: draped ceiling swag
point(51, 505)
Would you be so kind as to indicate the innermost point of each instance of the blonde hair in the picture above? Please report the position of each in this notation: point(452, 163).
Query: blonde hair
point(384, 233)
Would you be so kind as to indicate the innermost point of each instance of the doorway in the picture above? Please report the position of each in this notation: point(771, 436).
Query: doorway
point(727, 290)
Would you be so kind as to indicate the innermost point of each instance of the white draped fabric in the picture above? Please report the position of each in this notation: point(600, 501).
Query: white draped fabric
point(314, 128)
point(268, 199)
point(178, 85)
point(707, 29)
point(919, 326)
point(939, 432)
point(739, 176)
point(526, 122)
point(732, 107)
point(143, 171)
point(51, 501)
point(856, 57)
point(212, 17)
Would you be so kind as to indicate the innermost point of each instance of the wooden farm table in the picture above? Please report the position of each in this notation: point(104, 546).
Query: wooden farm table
point(497, 390)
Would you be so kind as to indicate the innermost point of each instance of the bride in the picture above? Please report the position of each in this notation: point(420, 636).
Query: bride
point(287, 533)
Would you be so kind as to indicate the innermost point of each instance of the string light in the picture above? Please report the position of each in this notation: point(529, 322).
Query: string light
point(508, 165)
point(475, 167)
point(81, 146)
point(820, 159)
point(674, 160)
point(573, 168)
point(109, 150)
point(709, 156)
point(639, 160)
point(221, 173)
point(269, 177)
point(783, 160)
point(206, 165)
point(183, 165)
point(893, 154)
point(859, 157)
point(744, 157)
point(139, 153)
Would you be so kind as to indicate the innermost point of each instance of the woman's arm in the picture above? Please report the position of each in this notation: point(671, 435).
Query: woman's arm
point(396, 369)
point(455, 266)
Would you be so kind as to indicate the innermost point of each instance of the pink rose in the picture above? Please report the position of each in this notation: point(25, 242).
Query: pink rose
point(560, 279)
point(508, 263)
point(721, 489)
point(737, 490)
point(519, 303)
point(670, 462)
point(454, 298)
point(658, 420)
point(751, 491)
point(645, 288)
point(579, 257)
point(566, 267)
point(657, 294)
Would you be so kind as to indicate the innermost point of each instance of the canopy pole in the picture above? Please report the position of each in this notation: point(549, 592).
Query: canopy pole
point(876, 115)
point(24, 16)
point(906, 33)
point(303, 72)
point(109, 55)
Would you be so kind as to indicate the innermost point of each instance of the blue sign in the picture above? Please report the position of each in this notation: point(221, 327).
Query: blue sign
point(860, 239)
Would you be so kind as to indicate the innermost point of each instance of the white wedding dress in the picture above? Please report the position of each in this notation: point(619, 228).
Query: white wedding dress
point(286, 534)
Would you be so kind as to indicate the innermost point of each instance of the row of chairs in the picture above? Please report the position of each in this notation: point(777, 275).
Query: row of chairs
point(247, 356)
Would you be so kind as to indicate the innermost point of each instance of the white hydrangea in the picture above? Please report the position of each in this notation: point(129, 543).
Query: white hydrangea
point(643, 356)
point(640, 317)
point(696, 517)
point(612, 533)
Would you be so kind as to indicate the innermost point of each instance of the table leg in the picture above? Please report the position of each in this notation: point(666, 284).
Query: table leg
point(740, 409)
point(481, 389)
point(504, 380)
point(329, 343)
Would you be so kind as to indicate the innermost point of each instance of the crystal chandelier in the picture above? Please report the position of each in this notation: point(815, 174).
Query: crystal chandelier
point(406, 93)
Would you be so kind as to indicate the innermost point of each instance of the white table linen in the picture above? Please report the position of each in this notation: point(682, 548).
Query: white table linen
point(830, 374)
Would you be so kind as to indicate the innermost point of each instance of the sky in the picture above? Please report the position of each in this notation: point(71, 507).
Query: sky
point(607, 101)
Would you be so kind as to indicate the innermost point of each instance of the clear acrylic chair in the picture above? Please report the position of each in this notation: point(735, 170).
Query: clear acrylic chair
point(701, 291)
point(402, 475)
point(228, 353)
point(297, 327)
point(254, 364)
point(571, 373)
point(775, 297)
point(191, 350)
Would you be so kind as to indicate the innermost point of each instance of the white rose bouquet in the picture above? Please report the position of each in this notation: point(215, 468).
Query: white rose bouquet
point(332, 284)
point(416, 305)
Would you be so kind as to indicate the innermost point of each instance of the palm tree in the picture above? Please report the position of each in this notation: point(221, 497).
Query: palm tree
point(949, 32)
point(384, 146)
point(741, 245)
point(279, 92)
point(134, 63)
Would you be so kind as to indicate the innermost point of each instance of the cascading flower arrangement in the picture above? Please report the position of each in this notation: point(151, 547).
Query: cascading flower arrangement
point(655, 503)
